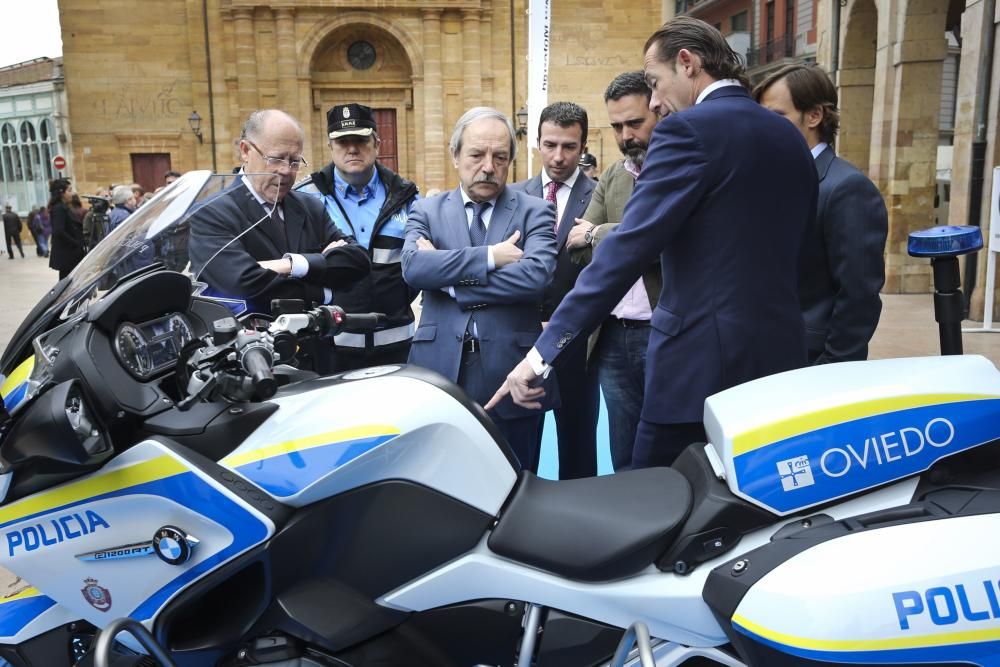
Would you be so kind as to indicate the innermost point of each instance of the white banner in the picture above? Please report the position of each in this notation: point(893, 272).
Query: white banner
point(994, 241)
point(539, 16)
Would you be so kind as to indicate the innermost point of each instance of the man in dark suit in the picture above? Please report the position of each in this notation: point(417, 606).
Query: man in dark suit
point(842, 267)
point(562, 139)
point(258, 241)
point(483, 255)
point(724, 198)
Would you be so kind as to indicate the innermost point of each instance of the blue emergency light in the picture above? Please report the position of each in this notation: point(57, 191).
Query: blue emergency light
point(945, 241)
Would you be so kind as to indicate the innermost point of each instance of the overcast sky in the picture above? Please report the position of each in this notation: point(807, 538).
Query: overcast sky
point(32, 31)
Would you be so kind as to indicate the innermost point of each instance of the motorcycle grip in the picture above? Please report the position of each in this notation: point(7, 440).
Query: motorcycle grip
point(361, 322)
point(256, 362)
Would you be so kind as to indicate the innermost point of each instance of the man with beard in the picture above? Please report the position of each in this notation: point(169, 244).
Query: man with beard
point(619, 346)
point(726, 194)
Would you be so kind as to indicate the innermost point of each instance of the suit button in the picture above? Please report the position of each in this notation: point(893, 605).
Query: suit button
point(564, 341)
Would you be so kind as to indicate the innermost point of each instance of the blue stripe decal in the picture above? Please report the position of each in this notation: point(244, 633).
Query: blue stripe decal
point(864, 453)
point(12, 399)
point(287, 474)
point(983, 654)
point(16, 614)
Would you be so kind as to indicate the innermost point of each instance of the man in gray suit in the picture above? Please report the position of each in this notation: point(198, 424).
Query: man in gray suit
point(483, 254)
point(842, 266)
point(562, 139)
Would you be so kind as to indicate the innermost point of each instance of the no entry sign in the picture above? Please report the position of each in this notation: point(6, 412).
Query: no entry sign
point(59, 162)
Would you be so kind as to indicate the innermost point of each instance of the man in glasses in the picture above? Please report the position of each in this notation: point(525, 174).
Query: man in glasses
point(261, 241)
point(372, 203)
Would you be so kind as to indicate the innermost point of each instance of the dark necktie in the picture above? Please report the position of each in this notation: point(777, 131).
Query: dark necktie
point(477, 230)
point(550, 195)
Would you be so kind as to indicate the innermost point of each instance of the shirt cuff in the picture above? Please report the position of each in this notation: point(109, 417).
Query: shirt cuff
point(541, 368)
point(327, 295)
point(300, 265)
point(490, 262)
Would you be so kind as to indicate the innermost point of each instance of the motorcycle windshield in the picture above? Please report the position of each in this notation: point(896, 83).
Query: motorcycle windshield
point(155, 235)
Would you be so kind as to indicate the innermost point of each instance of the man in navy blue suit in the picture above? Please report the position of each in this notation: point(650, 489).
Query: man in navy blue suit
point(842, 267)
point(724, 199)
point(562, 139)
point(483, 255)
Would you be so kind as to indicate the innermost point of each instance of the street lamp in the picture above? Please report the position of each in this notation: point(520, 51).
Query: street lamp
point(194, 120)
point(522, 121)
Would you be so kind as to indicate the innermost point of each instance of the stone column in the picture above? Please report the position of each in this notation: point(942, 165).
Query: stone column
point(434, 136)
point(910, 131)
point(284, 19)
point(472, 67)
point(486, 36)
point(246, 61)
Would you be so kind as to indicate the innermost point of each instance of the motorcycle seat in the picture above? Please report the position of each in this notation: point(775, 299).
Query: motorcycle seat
point(596, 528)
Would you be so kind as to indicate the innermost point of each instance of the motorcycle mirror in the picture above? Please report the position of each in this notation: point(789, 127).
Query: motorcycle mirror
point(58, 427)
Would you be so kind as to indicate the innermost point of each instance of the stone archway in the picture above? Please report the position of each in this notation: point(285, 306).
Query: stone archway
point(856, 78)
point(366, 64)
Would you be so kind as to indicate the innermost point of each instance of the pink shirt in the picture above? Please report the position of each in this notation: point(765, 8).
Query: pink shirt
point(635, 304)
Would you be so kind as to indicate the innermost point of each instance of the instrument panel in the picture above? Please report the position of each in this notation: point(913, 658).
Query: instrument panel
point(150, 348)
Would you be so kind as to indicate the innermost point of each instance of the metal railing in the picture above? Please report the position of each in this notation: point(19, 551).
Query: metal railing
point(782, 47)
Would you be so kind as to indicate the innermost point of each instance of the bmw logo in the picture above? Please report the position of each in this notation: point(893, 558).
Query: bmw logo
point(173, 545)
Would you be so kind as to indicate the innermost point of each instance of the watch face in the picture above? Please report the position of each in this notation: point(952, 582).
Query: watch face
point(361, 55)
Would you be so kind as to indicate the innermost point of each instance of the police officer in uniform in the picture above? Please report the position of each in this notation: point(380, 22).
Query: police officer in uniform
point(370, 202)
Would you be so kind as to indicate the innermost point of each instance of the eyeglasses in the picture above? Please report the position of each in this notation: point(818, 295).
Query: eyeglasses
point(279, 161)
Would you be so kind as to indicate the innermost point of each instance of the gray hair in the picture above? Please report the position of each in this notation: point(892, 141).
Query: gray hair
point(478, 113)
point(254, 124)
point(121, 194)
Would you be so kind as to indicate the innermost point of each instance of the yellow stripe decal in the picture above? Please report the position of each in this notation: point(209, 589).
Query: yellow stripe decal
point(17, 376)
point(115, 480)
point(921, 641)
point(774, 432)
point(29, 592)
point(308, 442)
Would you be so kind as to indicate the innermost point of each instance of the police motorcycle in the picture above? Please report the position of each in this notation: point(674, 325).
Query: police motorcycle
point(165, 471)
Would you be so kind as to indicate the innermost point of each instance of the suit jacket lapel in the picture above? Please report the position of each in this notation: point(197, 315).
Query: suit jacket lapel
point(267, 228)
point(534, 187)
point(575, 207)
point(823, 162)
point(295, 221)
point(456, 227)
point(502, 216)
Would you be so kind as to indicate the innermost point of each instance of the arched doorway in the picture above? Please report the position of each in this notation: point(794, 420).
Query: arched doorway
point(365, 64)
point(856, 78)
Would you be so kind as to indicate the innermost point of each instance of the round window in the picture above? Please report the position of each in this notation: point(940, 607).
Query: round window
point(361, 55)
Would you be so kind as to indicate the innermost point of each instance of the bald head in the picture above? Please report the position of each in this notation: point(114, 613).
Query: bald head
point(270, 140)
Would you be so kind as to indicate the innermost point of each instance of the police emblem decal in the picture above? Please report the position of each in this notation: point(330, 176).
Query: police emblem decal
point(173, 546)
point(98, 596)
point(795, 473)
point(347, 112)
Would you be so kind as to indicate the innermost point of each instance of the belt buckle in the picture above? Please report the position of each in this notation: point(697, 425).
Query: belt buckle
point(471, 345)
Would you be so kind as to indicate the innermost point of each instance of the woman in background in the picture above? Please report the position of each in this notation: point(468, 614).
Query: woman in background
point(66, 249)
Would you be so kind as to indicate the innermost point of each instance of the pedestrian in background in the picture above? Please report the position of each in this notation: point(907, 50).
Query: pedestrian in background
point(44, 225)
point(124, 202)
point(67, 228)
point(12, 231)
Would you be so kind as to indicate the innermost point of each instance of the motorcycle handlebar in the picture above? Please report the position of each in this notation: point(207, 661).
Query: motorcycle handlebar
point(256, 361)
point(332, 320)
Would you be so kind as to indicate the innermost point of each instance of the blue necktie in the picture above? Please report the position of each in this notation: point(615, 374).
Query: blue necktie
point(477, 230)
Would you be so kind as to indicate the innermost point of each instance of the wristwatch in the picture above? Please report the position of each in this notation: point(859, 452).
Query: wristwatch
point(588, 236)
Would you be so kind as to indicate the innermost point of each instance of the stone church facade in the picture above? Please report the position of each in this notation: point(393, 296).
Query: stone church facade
point(135, 75)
